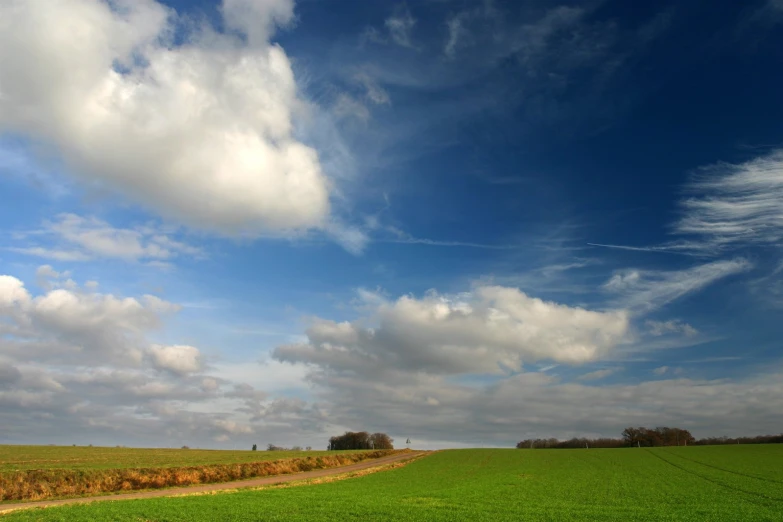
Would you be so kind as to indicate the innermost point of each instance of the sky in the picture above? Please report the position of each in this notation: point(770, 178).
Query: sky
point(237, 222)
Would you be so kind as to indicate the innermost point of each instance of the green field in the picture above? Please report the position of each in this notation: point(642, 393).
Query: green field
point(18, 458)
point(731, 483)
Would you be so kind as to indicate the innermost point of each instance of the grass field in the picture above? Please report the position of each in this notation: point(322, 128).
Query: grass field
point(19, 458)
point(45, 472)
point(731, 483)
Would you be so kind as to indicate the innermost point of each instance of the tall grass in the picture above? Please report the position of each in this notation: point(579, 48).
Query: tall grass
point(51, 483)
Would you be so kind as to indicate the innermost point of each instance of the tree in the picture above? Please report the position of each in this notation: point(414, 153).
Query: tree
point(360, 440)
point(255, 447)
point(381, 441)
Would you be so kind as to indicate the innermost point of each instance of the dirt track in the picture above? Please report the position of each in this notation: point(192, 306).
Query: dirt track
point(201, 488)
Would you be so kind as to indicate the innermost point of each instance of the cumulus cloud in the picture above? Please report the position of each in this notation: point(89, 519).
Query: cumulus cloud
point(428, 407)
point(202, 131)
point(78, 238)
point(484, 331)
point(9, 376)
point(79, 366)
point(645, 290)
point(181, 359)
point(12, 293)
point(430, 367)
point(74, 325)
point(257, 19)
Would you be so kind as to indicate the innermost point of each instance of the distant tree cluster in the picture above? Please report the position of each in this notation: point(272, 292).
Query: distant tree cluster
point(662, 436)
point(582, 442)
point(646, 437)
point(759, 439)
point(360, 440)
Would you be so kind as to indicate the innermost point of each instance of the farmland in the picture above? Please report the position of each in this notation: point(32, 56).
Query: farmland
point(18, 458)
point(734, 483)
point(43, 472)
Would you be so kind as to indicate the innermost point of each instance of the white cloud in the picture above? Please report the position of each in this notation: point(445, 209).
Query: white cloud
point(180, 359)
point(12, 293)
point(735, 205)
point(645, 290)
point(77, 366)
point(598, 374)
point(83, 238)
point(663, 370)
point(51, 253)
point(349, 237)
point(232, 427)
point(46, 276)
point(428, 407)
point(371, 34)
point(400, 26)
point(481, 332)
point(77, 326)
point(201, 131)
point(456, 30)
point(373, 91)
point(658, 328)
point(257, 18)
point(347, 106)
point(730, 206)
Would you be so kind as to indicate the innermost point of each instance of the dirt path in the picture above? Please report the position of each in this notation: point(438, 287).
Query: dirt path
point(202, 488)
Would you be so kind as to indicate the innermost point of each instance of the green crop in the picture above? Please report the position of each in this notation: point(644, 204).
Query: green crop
point(727, 483)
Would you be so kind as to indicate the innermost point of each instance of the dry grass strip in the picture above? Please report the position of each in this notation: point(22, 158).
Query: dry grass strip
point(58, 483)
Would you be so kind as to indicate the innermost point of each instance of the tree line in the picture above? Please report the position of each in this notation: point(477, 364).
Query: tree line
point(646, 437)
point(360, 440)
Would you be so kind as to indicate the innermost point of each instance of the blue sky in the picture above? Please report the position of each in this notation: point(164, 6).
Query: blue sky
point(464, 223)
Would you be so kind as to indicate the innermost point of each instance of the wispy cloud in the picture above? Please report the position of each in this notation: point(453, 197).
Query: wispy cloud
point(664, 249)
point(373, 91)
point(400, 25)
point(663, 370)
point(598, 374)
point(645, 290)
point(436, 242)
point(456, 31)
point(674, 326)
point(395, 234)
point(70, 237)
point(397, 29)
point(713, 359)
point(735, 204)
point(51, 253)
point(728, 206)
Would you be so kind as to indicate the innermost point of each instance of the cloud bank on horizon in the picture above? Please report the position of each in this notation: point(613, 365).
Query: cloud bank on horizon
point(235, 222)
